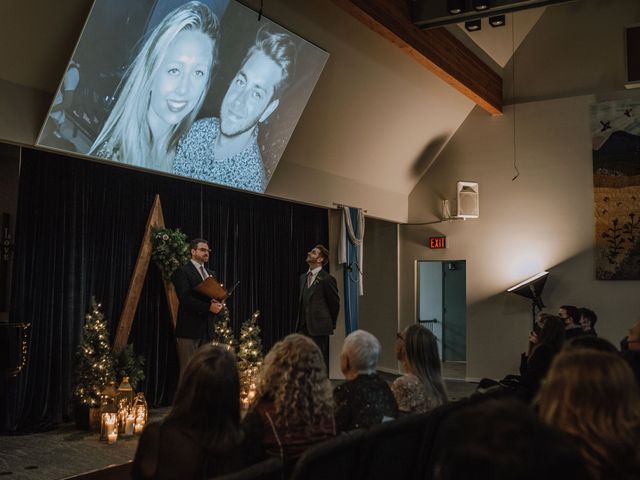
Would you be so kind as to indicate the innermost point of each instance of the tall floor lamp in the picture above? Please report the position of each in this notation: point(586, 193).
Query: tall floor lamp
point(531, 288)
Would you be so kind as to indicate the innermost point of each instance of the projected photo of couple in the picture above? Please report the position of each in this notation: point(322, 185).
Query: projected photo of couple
point(201, 89)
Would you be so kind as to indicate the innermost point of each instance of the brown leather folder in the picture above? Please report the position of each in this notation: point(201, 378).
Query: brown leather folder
point(212, 289)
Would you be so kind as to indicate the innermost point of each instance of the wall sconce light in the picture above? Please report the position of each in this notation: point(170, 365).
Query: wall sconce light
point(497, 21)
point(531, 288)
point(473, 25)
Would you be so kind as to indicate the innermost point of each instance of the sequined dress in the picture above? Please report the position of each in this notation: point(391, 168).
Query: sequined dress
point(363, 402)
point(411, 395)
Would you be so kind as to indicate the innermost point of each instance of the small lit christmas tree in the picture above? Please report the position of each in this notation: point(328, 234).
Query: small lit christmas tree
point(94, 363)
point(222, 331)
point(249, 358)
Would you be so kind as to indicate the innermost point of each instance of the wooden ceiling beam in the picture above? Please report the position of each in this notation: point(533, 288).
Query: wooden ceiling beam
point(436, 49)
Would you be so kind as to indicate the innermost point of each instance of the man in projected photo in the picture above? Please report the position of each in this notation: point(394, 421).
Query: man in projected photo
point(226, 150)
point(163, 90)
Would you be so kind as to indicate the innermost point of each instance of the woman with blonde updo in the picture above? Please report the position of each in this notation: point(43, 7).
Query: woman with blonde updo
point(593, 396)
point(294, 407)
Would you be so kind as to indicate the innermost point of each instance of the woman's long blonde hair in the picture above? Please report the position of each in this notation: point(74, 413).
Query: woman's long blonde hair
point(421, 355)
point(127, 130)
point(294, 377)
point(593, 396)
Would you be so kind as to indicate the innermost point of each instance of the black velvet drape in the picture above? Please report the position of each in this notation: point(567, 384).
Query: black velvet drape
point(78, 231)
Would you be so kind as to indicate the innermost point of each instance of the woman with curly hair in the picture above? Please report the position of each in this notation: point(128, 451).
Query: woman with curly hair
point(593, 396)
point(421, 388)
point(294, 407)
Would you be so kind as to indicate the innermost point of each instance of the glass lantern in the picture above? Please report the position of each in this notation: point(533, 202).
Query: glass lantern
point(140, 412)
point(109, 427)
point(108, 414)
point(124, 402)
point(125, 392)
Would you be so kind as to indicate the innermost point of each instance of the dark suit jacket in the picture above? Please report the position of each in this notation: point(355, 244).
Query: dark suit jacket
point(319, 308)
point(193, 311)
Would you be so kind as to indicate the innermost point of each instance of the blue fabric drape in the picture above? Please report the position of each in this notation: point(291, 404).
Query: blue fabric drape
point(351, 278)
point(79, 227)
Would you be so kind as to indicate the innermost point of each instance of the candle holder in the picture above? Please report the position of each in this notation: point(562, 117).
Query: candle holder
point(108, 412)
point(129, 425)
point(125, 392)
point(140, 412)
point(109, 427)
point(124, 409)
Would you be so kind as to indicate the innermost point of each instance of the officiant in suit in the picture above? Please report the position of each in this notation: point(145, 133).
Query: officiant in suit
point(195, 309)
point(319, 302)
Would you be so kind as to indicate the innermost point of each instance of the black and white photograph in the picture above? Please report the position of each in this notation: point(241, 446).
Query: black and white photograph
point(209, 90)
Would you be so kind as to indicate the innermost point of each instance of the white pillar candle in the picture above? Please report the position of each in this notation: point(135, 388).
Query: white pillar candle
point(128, 426)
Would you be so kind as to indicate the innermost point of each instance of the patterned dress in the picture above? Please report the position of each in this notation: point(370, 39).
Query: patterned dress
point(411, 395)
point(363, 402)
point(195, 158)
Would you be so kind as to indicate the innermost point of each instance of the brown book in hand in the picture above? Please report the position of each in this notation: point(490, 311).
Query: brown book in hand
point(212, 289)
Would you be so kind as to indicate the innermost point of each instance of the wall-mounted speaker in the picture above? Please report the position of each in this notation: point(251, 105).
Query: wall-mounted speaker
point(468, 200)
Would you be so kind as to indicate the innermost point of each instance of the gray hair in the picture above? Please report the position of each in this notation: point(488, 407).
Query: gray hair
point(363, 351)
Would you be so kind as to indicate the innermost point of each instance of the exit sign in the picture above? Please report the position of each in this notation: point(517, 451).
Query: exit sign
point(437, 242)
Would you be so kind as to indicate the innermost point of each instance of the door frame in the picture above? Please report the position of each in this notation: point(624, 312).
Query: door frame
point(416, 305)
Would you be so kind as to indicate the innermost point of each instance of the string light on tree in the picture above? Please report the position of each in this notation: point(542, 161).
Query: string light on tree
point(249, 358)
point(222, 331)
point(94, 364)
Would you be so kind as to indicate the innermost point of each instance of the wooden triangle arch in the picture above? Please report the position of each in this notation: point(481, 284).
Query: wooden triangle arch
point(156, 220)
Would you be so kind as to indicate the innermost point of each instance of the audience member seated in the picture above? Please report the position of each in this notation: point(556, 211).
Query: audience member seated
point(570, 315)
point(364, 399)
point(548, 344)
point(199, 437)
point(294, 406)
point(588, 319)
point(594, 398)
point(533, 337)
point(421, 388)
point(630, 346)
point(503, 439)
point(590, 342)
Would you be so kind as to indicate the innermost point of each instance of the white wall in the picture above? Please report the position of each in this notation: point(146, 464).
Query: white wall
point(542, 220)
point(378, 306)
point(302, 184)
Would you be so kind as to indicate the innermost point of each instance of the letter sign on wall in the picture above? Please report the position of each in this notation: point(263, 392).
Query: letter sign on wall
point(437, 242)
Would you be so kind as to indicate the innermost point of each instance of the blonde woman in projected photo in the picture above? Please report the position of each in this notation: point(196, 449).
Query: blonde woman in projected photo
point(163, 90)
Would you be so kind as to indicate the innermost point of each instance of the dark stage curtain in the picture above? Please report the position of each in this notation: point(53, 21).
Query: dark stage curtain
point(78, 231)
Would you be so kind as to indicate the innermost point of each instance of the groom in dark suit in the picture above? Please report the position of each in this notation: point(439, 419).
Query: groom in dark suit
point(195, 310)
point(319, 302)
